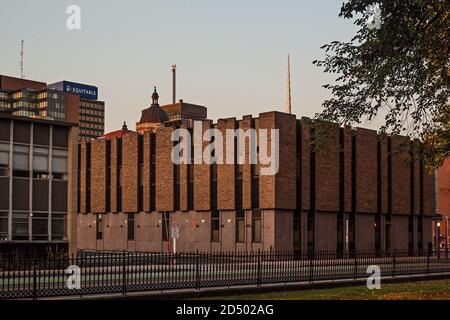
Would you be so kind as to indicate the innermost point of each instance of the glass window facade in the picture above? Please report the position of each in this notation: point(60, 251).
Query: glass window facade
point(4, 154)
point(40, 159)
point(21, 157)
point(31, 219)
point(20, 226)
point(60, 160)
point(3, 226)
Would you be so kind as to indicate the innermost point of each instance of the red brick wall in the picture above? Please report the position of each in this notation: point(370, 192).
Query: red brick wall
point(366, 171)
point(11, 83)
point(83, 186)
point(428, 190)
point(267, 193)
point(184, 183)
point(400, 175)
point(348, 134)
point(327, 168)
point(444, 189)
point(226, 172)
point(72, 103)
point(384, 173)
point(246, 124)
point(305, 161)
point(164, 170)
point(114, 146)
point(202, 177)
point(130, 172)
point(416, 179)
point(98, 176)
point(285, 197)
point(146, 171)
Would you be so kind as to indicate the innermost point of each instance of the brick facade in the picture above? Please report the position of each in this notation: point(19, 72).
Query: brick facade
point(353, 172)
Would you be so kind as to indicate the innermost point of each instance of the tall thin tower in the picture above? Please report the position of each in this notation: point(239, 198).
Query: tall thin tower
point(288, 93)
point(174, 83)
point(21, 60)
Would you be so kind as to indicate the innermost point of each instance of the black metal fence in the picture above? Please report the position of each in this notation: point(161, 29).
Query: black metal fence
point(101, 272)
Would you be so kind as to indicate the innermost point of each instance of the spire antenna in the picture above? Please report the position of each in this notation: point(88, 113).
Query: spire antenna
point(288, 93)
point(22, 76)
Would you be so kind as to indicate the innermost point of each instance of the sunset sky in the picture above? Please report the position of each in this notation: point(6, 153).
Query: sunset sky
point(231, 55)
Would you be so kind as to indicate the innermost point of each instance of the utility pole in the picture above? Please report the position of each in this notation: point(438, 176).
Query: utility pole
point(174, 83)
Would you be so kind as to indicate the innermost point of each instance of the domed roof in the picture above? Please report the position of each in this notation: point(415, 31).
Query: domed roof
point(154, 114)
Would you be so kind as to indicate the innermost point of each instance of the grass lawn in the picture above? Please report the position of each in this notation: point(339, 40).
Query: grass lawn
point(426, 290)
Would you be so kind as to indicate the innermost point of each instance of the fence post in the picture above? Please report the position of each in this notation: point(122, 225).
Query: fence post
point(34, 279)
point(428, 263)
point(355, 269)
point(394, 265)
point(124, 275)
point(311, 272)
point(197, 271)
point(259, 280)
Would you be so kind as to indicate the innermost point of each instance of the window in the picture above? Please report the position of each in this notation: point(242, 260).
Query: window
point(40, 159)
point(130, 223)
point(215, 226)
point(40, 226)
point(256, 225)
point(3, 226)
point(20, 226)
point(20, 157)
point(99, 226)
point(4, 154)
point(240, 226)
point(59, 226)
point(59, 161)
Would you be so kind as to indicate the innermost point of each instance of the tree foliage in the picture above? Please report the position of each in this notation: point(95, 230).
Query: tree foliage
point(399, 69)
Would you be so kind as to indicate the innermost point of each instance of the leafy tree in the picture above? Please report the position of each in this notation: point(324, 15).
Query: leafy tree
point(397, 66)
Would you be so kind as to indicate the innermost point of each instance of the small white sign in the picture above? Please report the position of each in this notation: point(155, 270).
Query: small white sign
point(175, 231)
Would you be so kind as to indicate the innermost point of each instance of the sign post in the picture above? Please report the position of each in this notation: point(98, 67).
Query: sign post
point(175, 232)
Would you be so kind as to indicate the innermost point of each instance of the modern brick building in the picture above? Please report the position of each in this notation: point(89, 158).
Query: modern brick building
point(356, 191)
point(444, 189)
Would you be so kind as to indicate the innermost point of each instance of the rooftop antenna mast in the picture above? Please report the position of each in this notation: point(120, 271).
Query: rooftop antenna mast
point(174, 83)
point(22, 76)
point(288, 93)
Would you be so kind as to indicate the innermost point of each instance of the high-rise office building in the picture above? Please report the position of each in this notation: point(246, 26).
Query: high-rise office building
point(92, 110)
point(38, 136)
point(26, 98)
